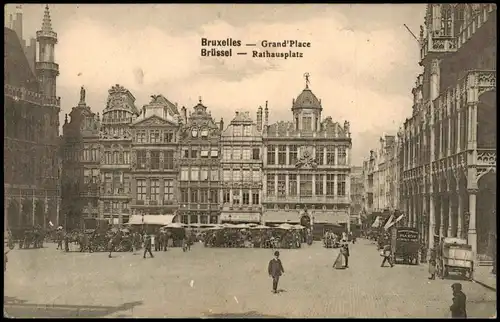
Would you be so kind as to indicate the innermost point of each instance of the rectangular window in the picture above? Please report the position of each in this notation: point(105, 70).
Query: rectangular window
point(194, 153)
point(271, 156)
point(307, 123)
point(226, 196)
point(185, 153)
point(281, 154)
point(237, 130)
point(115, 157)
point(168, 137)
point(107, 157)
point(185, 219)
point(236, 175)
point(292, 182)
point(168, 190)
point(256, 175)
point(214, 174)
point(214, 220)
point(227, 175)
point(293, 154)
point(155, 160)
point(255, 154)
point(306, 185)
point(330, 155)
point(247, 130)
point(184, 195)
point(141, 136)
point(319, 184)
point(342, 155)
point(194, 219)
point(194, 195)
point(227, 154)
point(107, 206)
point(115, 207)
point(141, 189)
point(236, 197)
point(255, 198)
point(141, 159)
point(330, 183)
point(246, 197)
point(185, 174)
point(195, 174)
point(117, 182)
point(247, 175)
point(270, 184)
point(204, 153)
point(246, 153)
point(214, 153)
point(214, 196)
point(237, 153)
point(155, 189)
point(341, 184)
point(203, 195)
point(126, 184)
point(281, 185)
point(168, 162)
point(126, 157)
point(204, 174)
point(203, 219)
point(154, 136)
point(108, 183)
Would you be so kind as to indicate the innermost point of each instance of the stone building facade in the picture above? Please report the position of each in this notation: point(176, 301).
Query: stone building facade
point(306, 165)
point(115, 138)
point(357, 194)
point(241, 169)
point(449, 143)
point(199, 163)
point(155, 158)
point(31, 130)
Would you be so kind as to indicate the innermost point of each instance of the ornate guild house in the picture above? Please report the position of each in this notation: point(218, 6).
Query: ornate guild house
point(199, 162)
point(449, 144)
point(241, 166)
point(306, 168)
point(31, 128)
point(154, 159)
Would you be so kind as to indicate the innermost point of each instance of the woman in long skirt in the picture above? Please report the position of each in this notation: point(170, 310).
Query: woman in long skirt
point(340, 261)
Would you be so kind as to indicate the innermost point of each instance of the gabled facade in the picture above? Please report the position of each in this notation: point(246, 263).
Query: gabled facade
point(241, 167)
point(116, 148)
point(154, 158)
point(199, 162)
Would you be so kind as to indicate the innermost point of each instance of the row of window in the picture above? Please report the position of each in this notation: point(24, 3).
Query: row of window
point(325, 155)
point(198, 219)
point(117, 183)
point(154, 136)
point(90, 155)
point(276, 185)
point(116, 157)
point(153, 191)
point(243, 198)
point(239, 153)
point(199, 174)
point(195, 195)
point(242, 130)
point(239, 175)
point(200, 152)
point(154, 160)
point(115, 207)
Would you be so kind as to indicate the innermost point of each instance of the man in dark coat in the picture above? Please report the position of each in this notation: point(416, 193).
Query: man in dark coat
point(458, 308)
point(275, 270)
point(387, 254)
point(147, 245)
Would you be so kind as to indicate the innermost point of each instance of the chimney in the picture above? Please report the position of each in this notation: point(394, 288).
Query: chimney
point(266, 115)
point(221, 124)
point(18, 24)
point(184, 114)
point(259, 119)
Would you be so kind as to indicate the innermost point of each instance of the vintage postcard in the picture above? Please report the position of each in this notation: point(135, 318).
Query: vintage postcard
point(250, 160)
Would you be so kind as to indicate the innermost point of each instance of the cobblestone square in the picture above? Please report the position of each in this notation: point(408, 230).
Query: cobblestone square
point(210, 282)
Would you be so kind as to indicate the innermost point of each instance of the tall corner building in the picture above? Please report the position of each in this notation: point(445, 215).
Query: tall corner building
point(31, 127)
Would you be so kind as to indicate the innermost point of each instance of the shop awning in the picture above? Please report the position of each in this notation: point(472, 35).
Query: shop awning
point(281, 216)
point(161, 220)
point(334, 218)
point(240, 217)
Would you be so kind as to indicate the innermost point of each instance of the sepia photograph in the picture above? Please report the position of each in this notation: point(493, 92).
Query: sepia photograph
point(226, 160)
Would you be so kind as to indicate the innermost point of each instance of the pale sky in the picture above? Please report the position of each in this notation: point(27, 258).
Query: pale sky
point(362, 61)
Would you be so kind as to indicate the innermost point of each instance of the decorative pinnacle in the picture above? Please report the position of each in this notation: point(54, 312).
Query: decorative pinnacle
point(306, 76)
point(199, 99)
point(46, 24)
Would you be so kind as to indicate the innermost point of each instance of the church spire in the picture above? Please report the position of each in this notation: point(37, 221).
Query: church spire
point(47, 23)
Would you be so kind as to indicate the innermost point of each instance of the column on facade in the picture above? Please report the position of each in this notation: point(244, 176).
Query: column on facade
point(472, 234)
point(451, 222)
point(348, 187)
point(441, 214)
point(314, 184)
point(335, 180)
point(250, 198)
point(298, 185)
point(324, 154)
point(287, 184)
point(275, 185)
point(287, 154)
point(336, 154)
point(424, 213)
point(324, 184)
point(460, 212)
point(275, 155)
point(459, 113)
point(449, 129)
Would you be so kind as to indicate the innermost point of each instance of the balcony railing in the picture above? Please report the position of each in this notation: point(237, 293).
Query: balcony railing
point(108, 120)
point(312, 199)
point(438, 44)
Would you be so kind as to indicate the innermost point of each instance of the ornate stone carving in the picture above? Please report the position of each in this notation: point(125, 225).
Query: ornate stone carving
point(435, 65)
point(487, 158)
point(480, 172)
point(306, 158)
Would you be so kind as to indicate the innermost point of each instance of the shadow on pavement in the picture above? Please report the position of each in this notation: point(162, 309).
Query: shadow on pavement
point(251, 314)
point(16, 308)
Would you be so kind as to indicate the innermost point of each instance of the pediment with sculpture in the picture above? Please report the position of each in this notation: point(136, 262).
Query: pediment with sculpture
point(306, 158)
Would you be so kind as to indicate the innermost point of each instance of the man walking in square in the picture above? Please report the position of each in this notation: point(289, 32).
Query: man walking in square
point(148, 243)
point(275, 270)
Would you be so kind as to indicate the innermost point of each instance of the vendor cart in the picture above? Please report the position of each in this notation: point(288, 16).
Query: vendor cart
point(455, 256)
